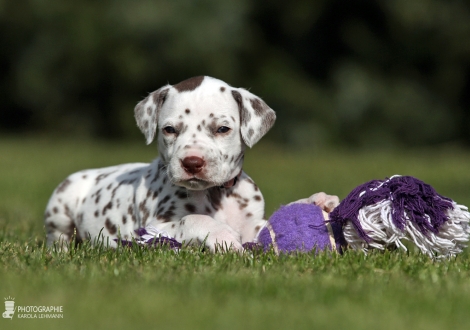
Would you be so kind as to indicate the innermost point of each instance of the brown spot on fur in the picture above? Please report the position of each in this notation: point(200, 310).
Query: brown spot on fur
point(159, 97)
point(154, 195)
point(97, 195)
point(222, 89)
point(189, 84)
point(259, 106)
point(164, 200)
point(257, 198)
point(55, 209)
point(215, 197)
point(191, 208)
point(68, 212)
point(108, 206)
point(110, 226)
point(166, 217)
point(130, 210)
point(145, 212)
point(244, 113)
point(187, 111)
point(242, 202)
point(97, 213)
point(102, 176)
point(72, 233)
point(113, 193)
point(213, 127)
point(182, 194)
point(124, 219)
point(61, 188)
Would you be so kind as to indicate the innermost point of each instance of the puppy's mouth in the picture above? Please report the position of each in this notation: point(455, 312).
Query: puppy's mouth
point(194, 183)
point(196, 180)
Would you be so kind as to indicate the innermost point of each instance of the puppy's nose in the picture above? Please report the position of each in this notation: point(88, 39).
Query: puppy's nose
point(193, 164)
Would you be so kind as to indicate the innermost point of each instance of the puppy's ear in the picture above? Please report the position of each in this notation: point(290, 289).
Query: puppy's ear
point(256, 117)
point(146, 112)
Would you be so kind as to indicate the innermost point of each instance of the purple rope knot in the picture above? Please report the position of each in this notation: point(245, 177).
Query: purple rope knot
point(412, 200)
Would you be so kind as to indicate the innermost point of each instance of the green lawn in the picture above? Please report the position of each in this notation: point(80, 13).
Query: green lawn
point(137, 288)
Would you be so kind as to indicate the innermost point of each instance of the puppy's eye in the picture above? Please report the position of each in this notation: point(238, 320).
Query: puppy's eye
point(169, 130)
point(223, 129)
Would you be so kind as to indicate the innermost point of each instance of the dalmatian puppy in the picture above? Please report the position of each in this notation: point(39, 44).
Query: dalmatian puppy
point(196, 191)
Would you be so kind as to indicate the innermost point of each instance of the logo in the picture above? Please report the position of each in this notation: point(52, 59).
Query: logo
point(31, 312)
point(9, 308)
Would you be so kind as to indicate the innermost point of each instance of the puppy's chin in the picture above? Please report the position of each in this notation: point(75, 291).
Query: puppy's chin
point(195, 184)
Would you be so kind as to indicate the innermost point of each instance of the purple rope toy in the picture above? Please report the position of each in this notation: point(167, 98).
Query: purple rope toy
point(411, 200)
point(380, 213)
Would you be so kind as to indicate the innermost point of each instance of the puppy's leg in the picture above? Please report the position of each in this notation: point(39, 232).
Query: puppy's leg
point(60, 230)
point(198, 228)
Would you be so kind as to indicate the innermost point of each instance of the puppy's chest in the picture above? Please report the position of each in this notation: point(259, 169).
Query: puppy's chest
point(174, 203)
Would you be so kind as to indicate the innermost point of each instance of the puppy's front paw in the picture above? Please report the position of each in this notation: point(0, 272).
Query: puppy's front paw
point(223, 240)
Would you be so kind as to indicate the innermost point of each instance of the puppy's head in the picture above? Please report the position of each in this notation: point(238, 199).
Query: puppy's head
point(204, 125)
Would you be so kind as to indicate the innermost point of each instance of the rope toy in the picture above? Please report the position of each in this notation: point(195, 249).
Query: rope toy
point(377, 214)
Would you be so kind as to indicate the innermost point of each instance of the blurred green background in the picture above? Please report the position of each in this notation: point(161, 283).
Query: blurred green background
point(391, 73)
point(371, 88)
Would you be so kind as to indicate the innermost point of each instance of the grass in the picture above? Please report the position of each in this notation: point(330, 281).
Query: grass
point(135, 287)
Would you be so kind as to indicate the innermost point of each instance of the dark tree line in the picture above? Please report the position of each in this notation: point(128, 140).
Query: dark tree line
point(364, 73)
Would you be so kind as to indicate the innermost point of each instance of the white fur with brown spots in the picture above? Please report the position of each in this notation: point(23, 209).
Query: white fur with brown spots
point(195, 191)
